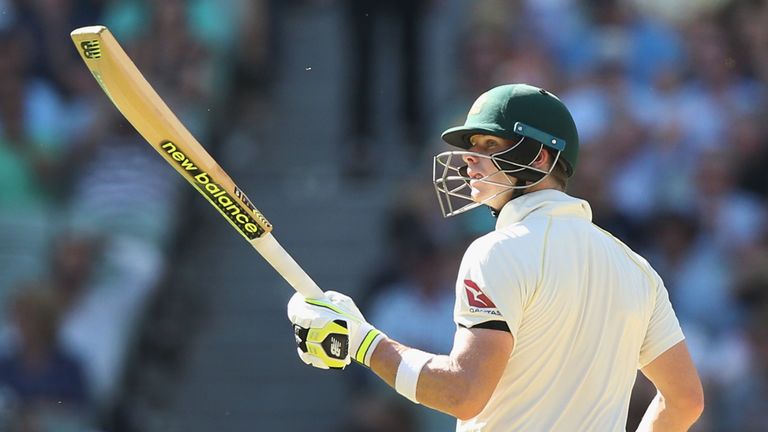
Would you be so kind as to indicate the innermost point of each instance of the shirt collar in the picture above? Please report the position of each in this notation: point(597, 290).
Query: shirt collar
point(549, 201)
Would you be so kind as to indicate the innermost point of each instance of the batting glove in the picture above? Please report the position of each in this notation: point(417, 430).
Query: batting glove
point(330, 332)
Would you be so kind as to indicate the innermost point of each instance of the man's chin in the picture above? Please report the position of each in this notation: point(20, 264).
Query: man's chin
point(496, 202)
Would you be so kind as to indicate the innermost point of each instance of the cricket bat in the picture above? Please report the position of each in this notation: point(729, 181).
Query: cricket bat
point(135, 98)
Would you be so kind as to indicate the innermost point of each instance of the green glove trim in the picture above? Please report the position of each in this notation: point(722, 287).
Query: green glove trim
point(320, 303)
point(362, 352)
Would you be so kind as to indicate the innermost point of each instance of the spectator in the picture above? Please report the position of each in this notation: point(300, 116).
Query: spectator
point(750, 145)
point(732, 217)
point(46, 379)
point(25, 165)
point(424, 294)
point(744, 405)
point(73, 261)
point(696, 271)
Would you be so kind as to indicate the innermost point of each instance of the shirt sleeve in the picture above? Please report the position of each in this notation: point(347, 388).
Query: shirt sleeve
point(663, 328)
point(492, 288)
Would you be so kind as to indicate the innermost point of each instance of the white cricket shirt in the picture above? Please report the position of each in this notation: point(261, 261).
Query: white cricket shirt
point(585, 311)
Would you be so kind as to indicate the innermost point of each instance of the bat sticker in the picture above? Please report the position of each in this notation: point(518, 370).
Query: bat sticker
point(215, 193)
point(91, 49)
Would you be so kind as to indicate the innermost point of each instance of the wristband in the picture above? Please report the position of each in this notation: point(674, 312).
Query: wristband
point(368, 345)
point(408, 372)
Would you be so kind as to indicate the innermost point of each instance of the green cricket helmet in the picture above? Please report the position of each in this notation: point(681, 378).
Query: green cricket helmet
point(532, 117)
point(515, 110)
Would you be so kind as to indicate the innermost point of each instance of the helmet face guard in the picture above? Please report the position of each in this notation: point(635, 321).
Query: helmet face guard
point(452, 184)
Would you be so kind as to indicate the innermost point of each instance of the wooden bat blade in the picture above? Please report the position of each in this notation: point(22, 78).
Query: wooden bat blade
point(145, 110)
point(135, 98)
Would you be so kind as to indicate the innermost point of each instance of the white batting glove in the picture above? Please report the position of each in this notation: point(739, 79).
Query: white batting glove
point(330, 332)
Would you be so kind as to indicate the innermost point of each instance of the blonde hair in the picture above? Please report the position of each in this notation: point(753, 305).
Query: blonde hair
point(559, 173)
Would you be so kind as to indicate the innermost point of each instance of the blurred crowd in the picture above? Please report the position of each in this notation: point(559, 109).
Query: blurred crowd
point(668, 97)
point(89, 216)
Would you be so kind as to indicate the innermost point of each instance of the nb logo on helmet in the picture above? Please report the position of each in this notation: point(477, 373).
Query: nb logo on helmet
point(477, 107)
point(91, 49)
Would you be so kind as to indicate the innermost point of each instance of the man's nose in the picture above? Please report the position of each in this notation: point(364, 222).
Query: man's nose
point(469, 158)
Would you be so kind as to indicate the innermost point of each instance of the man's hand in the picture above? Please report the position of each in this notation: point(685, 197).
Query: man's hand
point(330, 332)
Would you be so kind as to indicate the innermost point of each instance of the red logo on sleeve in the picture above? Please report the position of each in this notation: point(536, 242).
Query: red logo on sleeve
point(476, 296)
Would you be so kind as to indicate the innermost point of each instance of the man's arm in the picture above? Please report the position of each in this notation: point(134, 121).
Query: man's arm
point(331, 331)
point(459, 384)
point(680, 398)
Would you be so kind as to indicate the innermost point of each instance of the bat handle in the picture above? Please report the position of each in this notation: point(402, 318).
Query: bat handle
point(288, 268)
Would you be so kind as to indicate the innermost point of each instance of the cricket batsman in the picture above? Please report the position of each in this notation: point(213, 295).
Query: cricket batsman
point(554, 316)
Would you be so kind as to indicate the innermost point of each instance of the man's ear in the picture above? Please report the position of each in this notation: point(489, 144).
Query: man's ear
point(543, 159)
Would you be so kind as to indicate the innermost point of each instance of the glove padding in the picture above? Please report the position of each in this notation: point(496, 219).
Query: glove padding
point(330, 332)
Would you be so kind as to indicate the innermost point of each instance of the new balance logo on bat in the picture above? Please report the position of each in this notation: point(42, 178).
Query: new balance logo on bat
point(475, 296)
point(216, 193)
point(91, 49)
